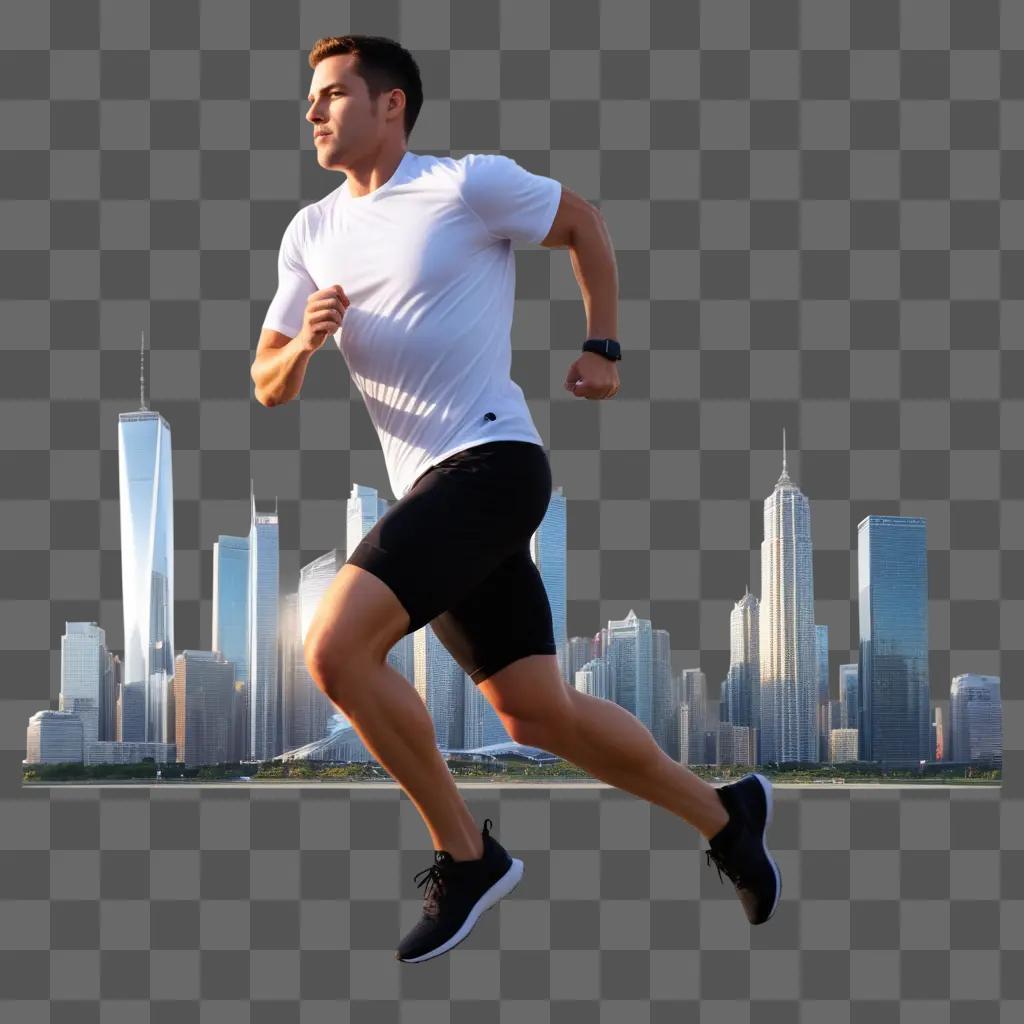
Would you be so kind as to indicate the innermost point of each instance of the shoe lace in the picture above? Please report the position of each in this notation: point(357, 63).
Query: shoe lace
point(720, 863)
point(433, 877)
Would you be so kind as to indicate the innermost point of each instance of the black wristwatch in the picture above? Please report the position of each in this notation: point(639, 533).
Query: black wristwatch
point(607, 347)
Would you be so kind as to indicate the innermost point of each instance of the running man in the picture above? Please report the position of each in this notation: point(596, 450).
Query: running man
point(408, 265)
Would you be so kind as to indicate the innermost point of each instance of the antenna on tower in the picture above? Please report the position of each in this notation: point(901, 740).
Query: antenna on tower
point(783, 480)
point(142, 370)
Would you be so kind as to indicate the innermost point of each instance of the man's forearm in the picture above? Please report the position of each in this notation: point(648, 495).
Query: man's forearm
point(593, 263)
point(279, 372)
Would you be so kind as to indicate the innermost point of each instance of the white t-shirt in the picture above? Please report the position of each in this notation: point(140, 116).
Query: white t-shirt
point(428, 265)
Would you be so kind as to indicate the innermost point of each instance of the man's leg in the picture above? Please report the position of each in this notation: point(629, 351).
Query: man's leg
point(358, 621)
point(540, 709)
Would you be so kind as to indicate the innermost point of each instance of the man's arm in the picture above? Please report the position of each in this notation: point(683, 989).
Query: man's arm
point(580, 227)
point(280, 366)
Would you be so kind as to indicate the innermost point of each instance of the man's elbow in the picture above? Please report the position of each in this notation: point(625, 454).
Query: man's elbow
point(260, 397)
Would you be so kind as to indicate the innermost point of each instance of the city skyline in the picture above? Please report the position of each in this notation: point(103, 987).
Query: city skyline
point(778, 707)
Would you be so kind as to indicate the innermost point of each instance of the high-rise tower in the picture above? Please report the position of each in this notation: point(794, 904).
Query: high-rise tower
point(788, 640)
point(147, 558)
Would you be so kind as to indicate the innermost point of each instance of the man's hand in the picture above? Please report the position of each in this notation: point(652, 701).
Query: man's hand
point(325, 310)
point(593, 376)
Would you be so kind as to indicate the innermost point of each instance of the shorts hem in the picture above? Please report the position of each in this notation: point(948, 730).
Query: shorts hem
point(376, 561)
point(503, 661)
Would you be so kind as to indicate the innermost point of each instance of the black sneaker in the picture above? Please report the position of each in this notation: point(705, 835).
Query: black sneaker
point(457, 893)
point(739, 848)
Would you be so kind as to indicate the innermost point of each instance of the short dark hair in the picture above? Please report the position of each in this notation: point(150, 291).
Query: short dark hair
point(382, 63)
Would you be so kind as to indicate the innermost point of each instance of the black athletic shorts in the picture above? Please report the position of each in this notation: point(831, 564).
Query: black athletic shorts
point(456, 552)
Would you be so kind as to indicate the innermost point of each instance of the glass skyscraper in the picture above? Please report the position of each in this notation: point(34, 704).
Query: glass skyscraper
point(822, 649)
point(230, 621)
point(741, 691)
point(230, 587)
point(892, 570)
point(849, 696)
point(83, 650)
point(789, 644)
point(976, 718)
point(630, 656)
point(262, 630)
point(692, 725)
point(147, 562)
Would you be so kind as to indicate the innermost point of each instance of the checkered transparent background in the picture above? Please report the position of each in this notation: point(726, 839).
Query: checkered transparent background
point(818, 211)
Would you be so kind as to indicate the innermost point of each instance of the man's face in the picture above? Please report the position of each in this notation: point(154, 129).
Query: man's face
point(340, 106)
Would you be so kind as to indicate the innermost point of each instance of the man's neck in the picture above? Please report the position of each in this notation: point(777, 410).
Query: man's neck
point(368, 177)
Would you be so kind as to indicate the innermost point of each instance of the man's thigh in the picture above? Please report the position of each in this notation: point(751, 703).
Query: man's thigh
point(531, 698)
point(438, 546)
point(502, 619)
point(358, 615)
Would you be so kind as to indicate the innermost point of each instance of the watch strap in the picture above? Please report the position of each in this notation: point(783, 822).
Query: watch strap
point(607, 347)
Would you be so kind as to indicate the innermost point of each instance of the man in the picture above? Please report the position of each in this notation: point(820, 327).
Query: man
point(409, 265)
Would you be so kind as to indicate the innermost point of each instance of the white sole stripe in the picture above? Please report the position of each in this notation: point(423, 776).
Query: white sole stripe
point(766, 786)
point(501, 888)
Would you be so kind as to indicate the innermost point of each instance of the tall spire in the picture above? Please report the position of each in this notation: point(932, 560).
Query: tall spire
point(784, 478)
point(142, 371)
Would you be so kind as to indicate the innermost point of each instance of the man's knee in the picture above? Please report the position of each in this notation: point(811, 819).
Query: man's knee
point(548, 731)
point(333, 659)
point(358, 621)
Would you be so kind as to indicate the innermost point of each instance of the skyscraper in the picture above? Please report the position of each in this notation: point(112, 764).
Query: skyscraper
point(694, 697)
point(892, 571)
point(230, 590)
point(789, 666)
point(975, 718)
point(742, 688)
point(82, 676)
point(262, 632)
point(147, 560)
point(629, 652)
point(849, 696)
point(823, 712)
point(204, 704)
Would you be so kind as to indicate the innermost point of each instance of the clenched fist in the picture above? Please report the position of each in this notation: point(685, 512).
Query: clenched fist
point(592, 376)
point(324, 312)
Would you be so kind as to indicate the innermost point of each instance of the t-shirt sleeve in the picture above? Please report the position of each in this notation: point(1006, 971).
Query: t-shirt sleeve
point(294, 285)
point(511, 201)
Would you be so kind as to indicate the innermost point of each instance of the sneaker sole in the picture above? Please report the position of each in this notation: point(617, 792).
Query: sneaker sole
point(501, 888)
point(766, 786)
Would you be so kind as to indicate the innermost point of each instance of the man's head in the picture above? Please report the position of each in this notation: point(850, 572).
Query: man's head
point(365, 92)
